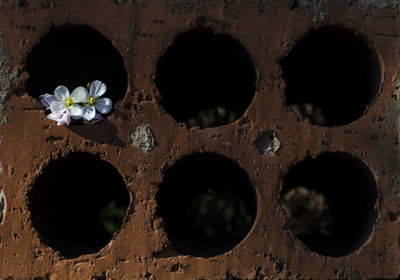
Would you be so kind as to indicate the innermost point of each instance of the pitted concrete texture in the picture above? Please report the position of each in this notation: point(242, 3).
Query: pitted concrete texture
point(142, 31)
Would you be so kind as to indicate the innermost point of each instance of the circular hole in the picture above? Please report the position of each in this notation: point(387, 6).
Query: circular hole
point(208, 204)
point(73, 56)
point(330, 203)
point(206, 79)
point(77, 203)
point(332, 74)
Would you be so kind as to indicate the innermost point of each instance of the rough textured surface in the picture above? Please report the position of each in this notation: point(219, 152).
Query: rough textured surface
point(142, 31)
point(6, 76)
point(143, 138)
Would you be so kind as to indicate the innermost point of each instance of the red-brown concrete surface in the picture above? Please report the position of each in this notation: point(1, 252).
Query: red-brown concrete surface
point(142, 31)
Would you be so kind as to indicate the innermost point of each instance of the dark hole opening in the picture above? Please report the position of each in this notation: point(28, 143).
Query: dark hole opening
point(206, 79)
point(332, 74)
point(75, 55)
point(208, 204)
point(77, 203)
point(330, 203)
point(1, 206)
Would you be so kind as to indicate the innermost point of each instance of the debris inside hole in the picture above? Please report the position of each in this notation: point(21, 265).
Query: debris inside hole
point(214, 117)
point(329, 203)
point(332, 75)
point(76, 211)
point(220, 214)
point(206, 79)
point(207, 203)
point(307, 211)
point(267, 142)
point(307, 111)
point(112, 215)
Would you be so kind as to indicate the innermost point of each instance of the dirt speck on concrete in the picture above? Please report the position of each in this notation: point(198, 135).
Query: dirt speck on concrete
point(267, 142)
point(143, 138)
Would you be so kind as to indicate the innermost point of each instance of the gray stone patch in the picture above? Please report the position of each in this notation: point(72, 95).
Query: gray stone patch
point(6, 76)
point(1, 205)
point(267, 142)
point(143, 138)
point(377, 4)
point(314, 8)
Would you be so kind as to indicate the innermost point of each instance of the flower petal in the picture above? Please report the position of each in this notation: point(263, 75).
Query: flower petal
point(61, 93)
point(75, 111)
point(98, 117)
point(97, 89)
point(66, 119)
point(89, 112)
point(57, 107)
point(80, 95)
point(55, 116)
point(50, 98)
point(46, 99)
point(104, 105)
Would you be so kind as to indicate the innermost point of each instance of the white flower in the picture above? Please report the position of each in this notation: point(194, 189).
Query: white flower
point(103, 105)
point(46, 99)
point(60, 118)
point(66, 102)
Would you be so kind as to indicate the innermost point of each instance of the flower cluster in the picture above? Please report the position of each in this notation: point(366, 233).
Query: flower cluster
point(80, 104)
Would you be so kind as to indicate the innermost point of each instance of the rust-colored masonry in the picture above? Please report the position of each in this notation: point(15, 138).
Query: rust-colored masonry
point(248, 140)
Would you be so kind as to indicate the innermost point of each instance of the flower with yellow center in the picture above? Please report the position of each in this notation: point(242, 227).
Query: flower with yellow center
point(94, 102)
point(68, 103)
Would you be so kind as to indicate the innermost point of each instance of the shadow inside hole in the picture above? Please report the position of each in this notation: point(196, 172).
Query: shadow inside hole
point(206, 79)
point(2, 204)
point(75, 55)
point(77, 204)
point(208, 204)
point(330, 203)
point(332, 74)
point(104, 131)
